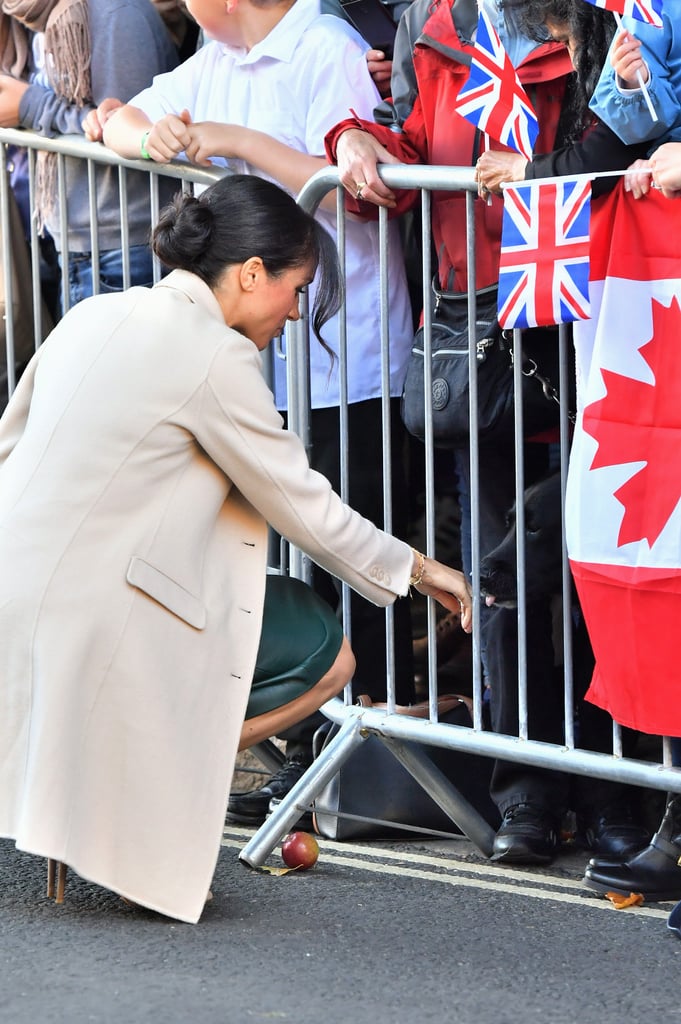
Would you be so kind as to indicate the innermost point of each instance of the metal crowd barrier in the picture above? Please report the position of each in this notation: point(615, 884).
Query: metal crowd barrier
point(398, 732)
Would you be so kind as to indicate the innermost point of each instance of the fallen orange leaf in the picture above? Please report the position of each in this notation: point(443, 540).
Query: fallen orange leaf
point(620, 902)
point(266, 869)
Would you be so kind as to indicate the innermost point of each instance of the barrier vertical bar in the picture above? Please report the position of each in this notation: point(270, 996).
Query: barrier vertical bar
point(386, 427)
point(343, 417)
point(429, 481)
point(125, 227)
point(34, 254)
point(567, 600)
point(94, 227)
point(64, 230)
point(520, 532)
point(7, 272)
point(474, 496)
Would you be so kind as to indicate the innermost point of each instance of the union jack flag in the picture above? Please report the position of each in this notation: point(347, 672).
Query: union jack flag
point(544, 262)
point(649, 11)
point(492, 98)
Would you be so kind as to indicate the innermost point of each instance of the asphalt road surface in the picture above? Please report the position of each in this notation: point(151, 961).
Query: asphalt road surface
point(382, 932)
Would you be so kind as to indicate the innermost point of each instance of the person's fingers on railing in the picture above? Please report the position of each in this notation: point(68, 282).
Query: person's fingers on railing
point(168, 138)
point(203, 143)
point(92, 128)
point(358, 154)
point(107, 107)
point(93, 123)
point(494, 167)
point(375, 193)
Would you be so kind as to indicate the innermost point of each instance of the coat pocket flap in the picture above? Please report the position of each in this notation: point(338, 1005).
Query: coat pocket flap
point(166, 591)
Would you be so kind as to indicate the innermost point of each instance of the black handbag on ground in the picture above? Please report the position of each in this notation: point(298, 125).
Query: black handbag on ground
point(372, 783)
point(494, 365)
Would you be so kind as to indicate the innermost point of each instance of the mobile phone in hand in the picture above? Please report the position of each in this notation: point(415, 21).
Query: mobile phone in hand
point(373, 21)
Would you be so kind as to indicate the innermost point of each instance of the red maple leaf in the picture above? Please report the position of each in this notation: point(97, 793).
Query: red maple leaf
point(639, 422)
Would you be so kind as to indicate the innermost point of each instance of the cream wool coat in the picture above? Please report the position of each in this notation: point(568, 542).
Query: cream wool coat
point(140, 460)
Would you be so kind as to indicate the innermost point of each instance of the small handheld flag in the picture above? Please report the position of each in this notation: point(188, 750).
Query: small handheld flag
point(647, 11)
point(493, 98)
point(544, 261)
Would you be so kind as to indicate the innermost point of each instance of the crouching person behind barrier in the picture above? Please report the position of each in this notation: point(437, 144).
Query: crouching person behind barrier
point(141, 459)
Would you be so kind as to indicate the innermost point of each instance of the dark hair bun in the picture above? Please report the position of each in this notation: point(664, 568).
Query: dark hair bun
point(184, 232)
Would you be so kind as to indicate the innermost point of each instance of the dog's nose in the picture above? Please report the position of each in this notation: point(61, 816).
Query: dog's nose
point(497, 583)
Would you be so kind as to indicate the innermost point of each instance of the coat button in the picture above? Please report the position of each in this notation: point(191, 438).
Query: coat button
point(377, 573)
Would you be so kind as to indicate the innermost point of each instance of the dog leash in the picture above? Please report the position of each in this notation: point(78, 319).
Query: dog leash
point(530, 369)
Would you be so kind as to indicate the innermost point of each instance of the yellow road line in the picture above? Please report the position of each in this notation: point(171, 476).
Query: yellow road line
point(377, 860)
point(444, 859)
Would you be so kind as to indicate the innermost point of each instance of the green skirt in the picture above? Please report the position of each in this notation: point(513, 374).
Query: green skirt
point(300, 640)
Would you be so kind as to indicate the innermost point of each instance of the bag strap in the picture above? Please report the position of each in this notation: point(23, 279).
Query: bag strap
point(445, 703)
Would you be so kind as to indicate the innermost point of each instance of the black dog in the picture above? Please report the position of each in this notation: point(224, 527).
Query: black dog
point(543, 549)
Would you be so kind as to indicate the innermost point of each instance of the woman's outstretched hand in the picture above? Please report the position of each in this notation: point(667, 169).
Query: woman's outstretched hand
point(446, 585)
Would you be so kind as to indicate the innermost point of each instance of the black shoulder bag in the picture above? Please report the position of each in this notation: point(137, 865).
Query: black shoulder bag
point(450, 375)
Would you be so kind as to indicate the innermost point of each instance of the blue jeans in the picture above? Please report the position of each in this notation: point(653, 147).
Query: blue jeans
point(110, 271)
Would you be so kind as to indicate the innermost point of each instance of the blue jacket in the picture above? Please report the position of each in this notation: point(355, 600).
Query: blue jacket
point(626, 111)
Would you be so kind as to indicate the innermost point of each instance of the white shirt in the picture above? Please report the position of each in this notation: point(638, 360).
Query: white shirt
point(295, 85)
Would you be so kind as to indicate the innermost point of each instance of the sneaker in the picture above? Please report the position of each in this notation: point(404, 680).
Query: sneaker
point(251, 808)
point(528, 835)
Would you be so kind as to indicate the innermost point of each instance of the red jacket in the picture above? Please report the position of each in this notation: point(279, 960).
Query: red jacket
point(434, 134)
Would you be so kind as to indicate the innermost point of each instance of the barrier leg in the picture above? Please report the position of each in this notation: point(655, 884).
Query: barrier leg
point(445, 795)
point(321, 771)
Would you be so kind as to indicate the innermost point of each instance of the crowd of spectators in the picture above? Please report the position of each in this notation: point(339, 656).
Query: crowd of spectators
point(277, 88)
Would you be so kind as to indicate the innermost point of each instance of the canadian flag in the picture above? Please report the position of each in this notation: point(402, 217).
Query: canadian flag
point(623, 514)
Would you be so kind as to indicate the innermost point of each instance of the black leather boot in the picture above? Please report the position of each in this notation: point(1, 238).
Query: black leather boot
point(613, 833)
point(654, 872)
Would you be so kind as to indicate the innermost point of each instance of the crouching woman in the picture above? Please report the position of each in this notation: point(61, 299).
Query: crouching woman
point(141, 459)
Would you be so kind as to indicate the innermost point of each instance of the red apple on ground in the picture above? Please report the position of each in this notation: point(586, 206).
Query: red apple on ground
point(300, 850)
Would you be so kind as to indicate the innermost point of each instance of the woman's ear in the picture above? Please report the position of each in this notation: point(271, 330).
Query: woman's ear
point(250, 272)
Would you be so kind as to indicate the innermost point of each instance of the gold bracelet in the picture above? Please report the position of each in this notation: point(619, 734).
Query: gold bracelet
point(417, 578)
